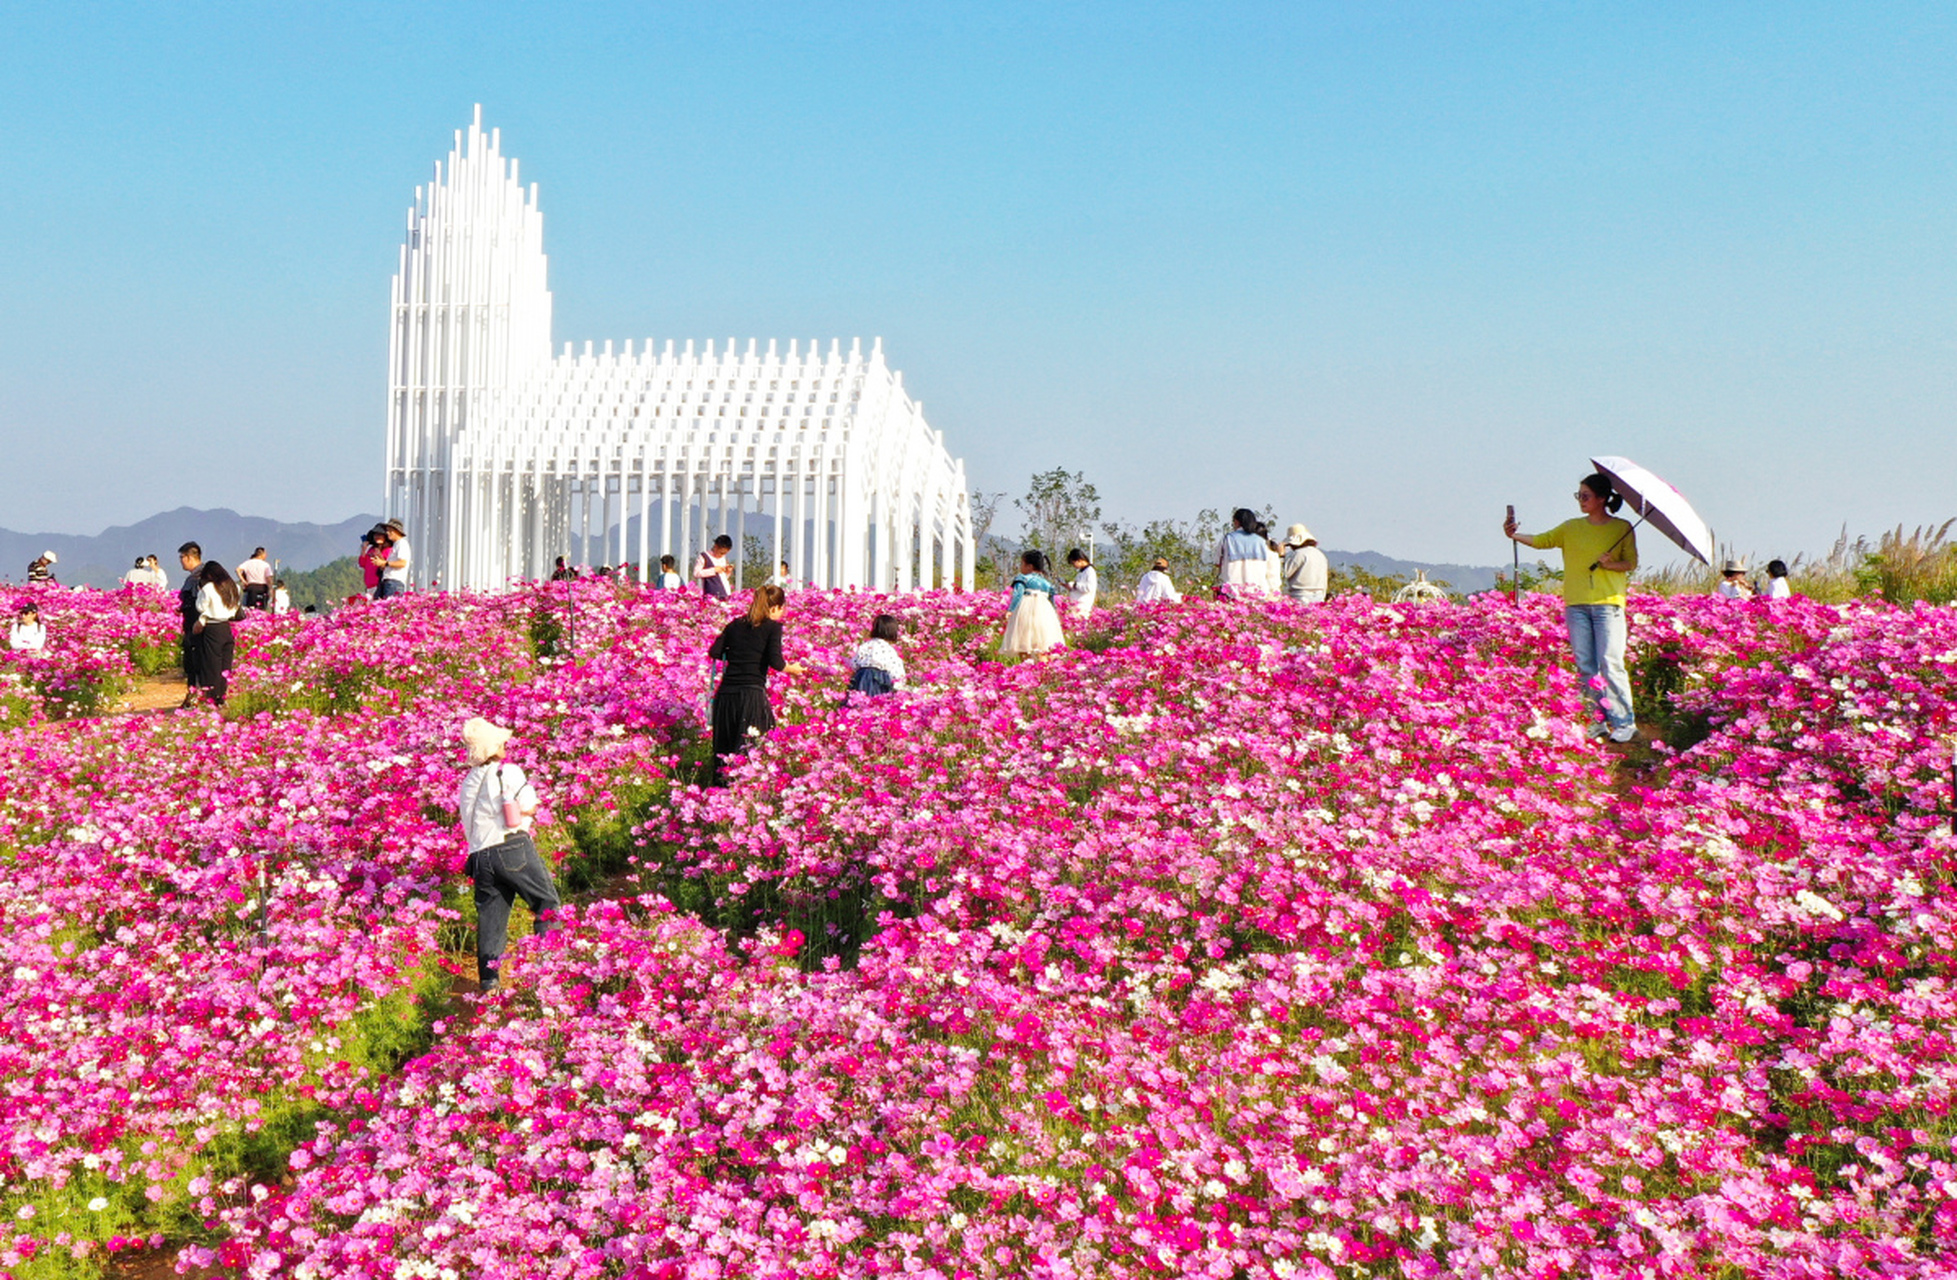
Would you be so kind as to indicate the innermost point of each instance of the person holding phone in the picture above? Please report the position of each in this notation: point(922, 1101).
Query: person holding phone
point(1600, 551)
point(497, 804)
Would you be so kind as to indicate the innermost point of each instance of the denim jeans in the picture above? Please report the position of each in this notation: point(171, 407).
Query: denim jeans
point(1597, 639)
point(390, 587)
point(503, 872)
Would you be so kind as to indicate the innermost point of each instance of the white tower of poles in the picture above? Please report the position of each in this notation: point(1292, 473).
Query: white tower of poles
point(501, 457)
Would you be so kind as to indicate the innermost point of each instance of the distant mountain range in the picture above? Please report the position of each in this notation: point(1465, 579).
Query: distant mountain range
point(1462, 579)
point(100, 561)
point(226, 536)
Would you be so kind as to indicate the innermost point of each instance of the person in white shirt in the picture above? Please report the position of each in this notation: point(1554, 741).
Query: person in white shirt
point(1306, 571)
point(668, 578)
point(1777, 585)
point(1086, 584)
point(714, 573)
point(27, 634)
point(497, 805)
point(218, 602)
point(255, 576)
point(1156, 584)
point(140, 575)
point(281, 599)
point(875, 666)
point(1732, 582)
point(781, 579)
point(400, 562)
point(1243, 559)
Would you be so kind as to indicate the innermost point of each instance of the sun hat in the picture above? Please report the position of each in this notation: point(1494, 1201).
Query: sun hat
point(1297, 536)
point(484, 740)
point(1733, 566)
point(50, 557)
point(397, 527)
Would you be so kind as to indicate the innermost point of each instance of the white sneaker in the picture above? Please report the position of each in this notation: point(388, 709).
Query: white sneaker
point(1625, 734)
point(1596, 732)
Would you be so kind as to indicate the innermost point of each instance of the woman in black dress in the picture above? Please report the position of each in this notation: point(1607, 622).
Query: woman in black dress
point(751, 648)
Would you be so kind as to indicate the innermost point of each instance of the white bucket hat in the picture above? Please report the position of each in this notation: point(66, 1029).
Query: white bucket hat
point(50, 557)
point(1297, 536)
point(484, 740)
point(1733, 566)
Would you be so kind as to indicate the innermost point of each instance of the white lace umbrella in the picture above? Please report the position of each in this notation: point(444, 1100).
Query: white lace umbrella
point(1659, 505)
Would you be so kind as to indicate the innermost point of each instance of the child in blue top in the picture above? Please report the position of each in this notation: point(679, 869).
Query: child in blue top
point(1032, 624)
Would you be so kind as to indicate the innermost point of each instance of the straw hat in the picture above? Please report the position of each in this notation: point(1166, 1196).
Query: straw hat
point(1733, 566)
point(484, 740)
point(1297, 536)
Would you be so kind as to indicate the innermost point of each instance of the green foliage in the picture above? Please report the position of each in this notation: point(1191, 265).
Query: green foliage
point(1352, 578)
point(1536, 577)
point(1060, 510)
point(1188, 545)
point(326, 587)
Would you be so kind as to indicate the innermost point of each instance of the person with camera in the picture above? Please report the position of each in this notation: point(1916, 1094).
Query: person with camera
point(497, 804)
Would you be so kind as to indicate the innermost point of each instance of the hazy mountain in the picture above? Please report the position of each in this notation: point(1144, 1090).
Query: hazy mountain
point(226, 536)
point(1460, 578)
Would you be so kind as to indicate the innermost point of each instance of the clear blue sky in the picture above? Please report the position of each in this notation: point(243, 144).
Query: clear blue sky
point(1386, 267)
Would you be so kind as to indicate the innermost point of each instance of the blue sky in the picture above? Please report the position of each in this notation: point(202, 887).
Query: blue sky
point(1384, 267)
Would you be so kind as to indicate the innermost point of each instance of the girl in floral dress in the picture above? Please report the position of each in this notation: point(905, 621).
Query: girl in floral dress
point(1032, 624)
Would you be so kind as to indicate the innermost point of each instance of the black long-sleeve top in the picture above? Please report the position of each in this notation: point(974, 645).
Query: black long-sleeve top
point(750, 652)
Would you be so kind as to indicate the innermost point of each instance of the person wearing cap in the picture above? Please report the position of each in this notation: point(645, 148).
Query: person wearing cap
point(1306, 571)
point(27, 634)
point(497, 804)
point(41, 567)
point(1156, 584)
point(400, 559)
point(1733, 584)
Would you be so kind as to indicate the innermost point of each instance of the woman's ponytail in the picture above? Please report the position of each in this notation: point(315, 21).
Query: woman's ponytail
point(1599, 484)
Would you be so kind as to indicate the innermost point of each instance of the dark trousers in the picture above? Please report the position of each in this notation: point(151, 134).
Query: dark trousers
point(389, 587)
point(214, 650)
point(503, 873)
point(193, 645)
point(740, 712)
point(257, 597)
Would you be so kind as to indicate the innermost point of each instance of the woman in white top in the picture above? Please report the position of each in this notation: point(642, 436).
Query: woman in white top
point(1243, 559)
point(497, 804)
point(1732, 582)
point(218, 601)
point(1777, 586)
point(27, 634)
point(1085, 586)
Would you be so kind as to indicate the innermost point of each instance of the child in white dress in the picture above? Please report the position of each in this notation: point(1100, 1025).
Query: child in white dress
point(1032, 625)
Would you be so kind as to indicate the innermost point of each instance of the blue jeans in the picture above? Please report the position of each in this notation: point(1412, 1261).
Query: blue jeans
point(390, 587)
point(1597, 639)
point(503, 873)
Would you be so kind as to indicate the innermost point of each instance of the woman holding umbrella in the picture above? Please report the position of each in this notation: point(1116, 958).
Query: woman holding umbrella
point(1600, 550)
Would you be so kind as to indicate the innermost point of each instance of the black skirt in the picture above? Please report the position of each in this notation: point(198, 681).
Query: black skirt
point(739, 712)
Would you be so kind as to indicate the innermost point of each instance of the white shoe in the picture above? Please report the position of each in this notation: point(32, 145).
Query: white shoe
point(1625, 734)
point(1596, 732)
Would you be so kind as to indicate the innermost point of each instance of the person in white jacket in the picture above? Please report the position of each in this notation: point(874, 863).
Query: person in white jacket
point(1156, 584)
point(1086, 584)
point(1306, 571)
point(27, 634)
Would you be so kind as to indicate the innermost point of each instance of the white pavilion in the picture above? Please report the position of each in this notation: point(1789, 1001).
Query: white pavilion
point(502, 456)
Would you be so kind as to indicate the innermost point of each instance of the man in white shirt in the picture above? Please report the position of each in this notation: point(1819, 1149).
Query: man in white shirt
point(1156, 584)
point(400, 561)
point(255, 577)
point(1307, 573)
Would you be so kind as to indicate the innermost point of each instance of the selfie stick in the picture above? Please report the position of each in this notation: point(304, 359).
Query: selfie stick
point(1515, 572)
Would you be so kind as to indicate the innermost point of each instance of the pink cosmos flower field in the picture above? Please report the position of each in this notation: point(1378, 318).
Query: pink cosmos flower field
point(1231, 942)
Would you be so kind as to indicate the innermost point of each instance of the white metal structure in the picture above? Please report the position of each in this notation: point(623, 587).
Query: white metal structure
point(501, 457)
